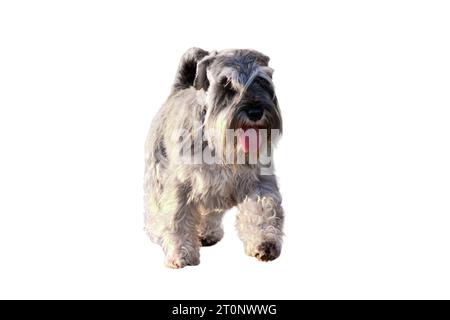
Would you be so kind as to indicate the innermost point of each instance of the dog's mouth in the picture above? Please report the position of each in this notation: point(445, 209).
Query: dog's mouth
point(250, 139)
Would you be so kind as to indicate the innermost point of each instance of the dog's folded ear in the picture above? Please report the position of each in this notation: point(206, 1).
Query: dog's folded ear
point(187, 68)
point(262, 59)
point(201, 79)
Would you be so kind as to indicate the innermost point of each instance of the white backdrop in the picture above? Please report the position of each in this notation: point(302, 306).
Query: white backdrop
point(363, 164)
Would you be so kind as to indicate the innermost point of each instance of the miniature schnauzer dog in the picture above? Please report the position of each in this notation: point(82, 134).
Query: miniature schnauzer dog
point(204, 155)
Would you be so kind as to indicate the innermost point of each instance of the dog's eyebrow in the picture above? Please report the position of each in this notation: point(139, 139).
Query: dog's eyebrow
point(256, 73)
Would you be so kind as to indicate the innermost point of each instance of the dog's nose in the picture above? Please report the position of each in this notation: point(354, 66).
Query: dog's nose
point(255, 113)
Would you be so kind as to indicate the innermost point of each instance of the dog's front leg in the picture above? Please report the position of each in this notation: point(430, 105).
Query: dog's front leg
point(260, 220)
point(178, 229)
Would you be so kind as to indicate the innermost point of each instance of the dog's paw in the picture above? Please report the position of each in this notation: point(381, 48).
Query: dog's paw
point(176, 262)
point(266, 251)
point(210, 237)
point(210, 240)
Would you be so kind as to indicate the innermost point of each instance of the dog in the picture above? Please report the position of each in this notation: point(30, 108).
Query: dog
point(193, 173)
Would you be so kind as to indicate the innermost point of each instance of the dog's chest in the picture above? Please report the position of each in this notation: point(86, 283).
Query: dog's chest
point(216, 187)
point(210, 182)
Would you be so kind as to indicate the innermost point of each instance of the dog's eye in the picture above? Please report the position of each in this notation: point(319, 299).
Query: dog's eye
point(263, 82)
point(265, 85)
point(225, 83)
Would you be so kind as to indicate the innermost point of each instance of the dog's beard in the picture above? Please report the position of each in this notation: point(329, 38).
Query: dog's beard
point(236, 140)
point(215, 133)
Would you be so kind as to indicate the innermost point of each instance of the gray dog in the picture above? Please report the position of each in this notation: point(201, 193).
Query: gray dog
point(194, 172)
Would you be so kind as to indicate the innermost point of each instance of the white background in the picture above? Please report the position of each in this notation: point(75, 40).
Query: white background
point(364, 87)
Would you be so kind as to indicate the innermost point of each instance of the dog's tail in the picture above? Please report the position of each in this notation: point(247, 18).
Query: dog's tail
point(187, 69)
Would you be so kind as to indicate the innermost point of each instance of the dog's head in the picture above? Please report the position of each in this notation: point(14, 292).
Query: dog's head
point(240, 96)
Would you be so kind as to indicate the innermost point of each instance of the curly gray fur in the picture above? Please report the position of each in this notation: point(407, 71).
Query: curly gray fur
point(185, 202)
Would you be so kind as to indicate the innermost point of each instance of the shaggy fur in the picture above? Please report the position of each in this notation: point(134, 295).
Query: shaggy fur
point(185, 201)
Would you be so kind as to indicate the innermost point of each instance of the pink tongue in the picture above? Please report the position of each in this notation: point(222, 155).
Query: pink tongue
point(251, 141)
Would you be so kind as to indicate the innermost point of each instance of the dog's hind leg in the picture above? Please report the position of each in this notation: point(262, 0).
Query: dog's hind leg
point(210, 230)
point(174, 227)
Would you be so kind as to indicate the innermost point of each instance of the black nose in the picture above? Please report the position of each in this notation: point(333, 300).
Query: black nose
point(254, 113)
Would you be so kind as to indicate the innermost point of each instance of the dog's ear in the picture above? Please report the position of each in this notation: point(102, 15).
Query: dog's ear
point(262, 59)
point(201, 79)
point(187, 68)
